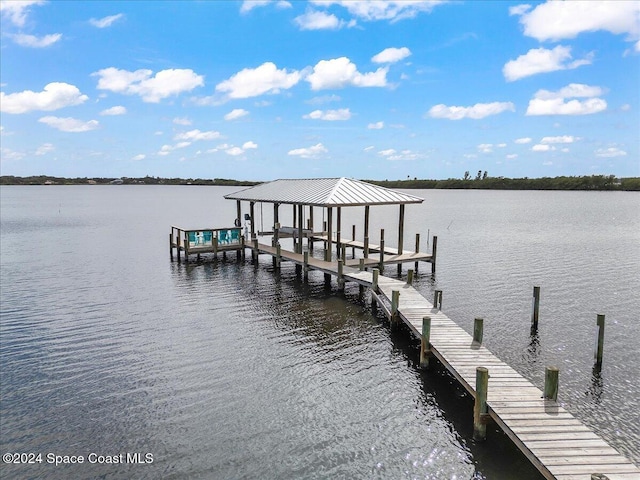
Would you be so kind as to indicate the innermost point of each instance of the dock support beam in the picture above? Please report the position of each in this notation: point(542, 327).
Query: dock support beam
point(425, 342)
point(600, 344)
point(551, 383)
point(480, 416)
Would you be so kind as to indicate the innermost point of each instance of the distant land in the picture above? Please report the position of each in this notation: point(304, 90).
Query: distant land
point(479, 182)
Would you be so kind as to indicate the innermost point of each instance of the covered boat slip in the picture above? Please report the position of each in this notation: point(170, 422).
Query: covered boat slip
point(331, 195)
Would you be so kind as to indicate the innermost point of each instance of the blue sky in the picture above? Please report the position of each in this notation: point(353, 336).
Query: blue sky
point(276, 89)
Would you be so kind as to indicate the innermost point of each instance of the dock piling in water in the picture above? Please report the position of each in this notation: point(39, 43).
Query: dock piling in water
point(551, 383)
point(600, 342)
point(425, 342)
point(478, 326)
point(535, 308)
point(480, 404)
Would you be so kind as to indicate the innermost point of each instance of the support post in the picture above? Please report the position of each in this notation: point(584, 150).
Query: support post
point(338, 230)
point(478, 327)
point(278, 256)
point(437, 299)
point(353, 238)
point(340, 274)
point(252, 214)
point(434, 251)
point(366, 221)
point(381, 263)
point(425, 342)
point(311, 227)
point(401, 236)
point(366, 247)
point(535, 308)
point(361, 264)
point(305, 269)
point(300, 228)
point(551, 383)
point(255, 252)
point(417, 251)
point(238, 213)
point(327, 252)
point(276, 224)
point(395, 303)
point(600, 344)
point(410, 277)
point(480, 405)
point(186, 247)
point(375, 274)
point(171, 246)
point(178, 245)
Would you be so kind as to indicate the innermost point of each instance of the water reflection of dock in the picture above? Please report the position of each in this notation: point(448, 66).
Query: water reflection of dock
point(552, 439)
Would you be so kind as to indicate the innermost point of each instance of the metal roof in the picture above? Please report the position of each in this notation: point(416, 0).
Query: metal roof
point(323, 192)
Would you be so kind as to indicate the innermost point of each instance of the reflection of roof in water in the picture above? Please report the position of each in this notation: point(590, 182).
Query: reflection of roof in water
point(323, 192)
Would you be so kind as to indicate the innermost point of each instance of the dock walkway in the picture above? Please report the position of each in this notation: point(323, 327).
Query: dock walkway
point(557, 444)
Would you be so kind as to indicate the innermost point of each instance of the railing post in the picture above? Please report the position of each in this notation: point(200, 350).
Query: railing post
point(478, 326)
point(600, 344)
point(425, 342)
point(551, 383)
point(480, 405)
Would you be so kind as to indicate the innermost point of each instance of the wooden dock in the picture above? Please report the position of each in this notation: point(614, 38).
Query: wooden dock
point(557, 444)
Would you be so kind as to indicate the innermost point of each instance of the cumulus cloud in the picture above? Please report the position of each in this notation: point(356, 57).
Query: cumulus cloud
point(485, 147)
point(511, 156)
point(309, 152)
point(542, 148)
point(69, 124)
point(376, 126)
point(610, 152)
point(249, 5)
point(182, 121)
point(234, 151)
point(105, 21)
point(542, 60)
point(117, 110)
point(392, 10)
point(316, 20)
point(560, 139)
point(194, 135)
point(44, 149)
point(523, 140)
point(17, 12)
point(249, 145)
point(476, 112)
point(138, 157)
point(150, 88)
point(560, 20)
point(342, 72)
point(329, 115)
point(55, 95)
point(393, 155)
point(236, 113)
point(391, 55)
point(167, 149)
point(258, 81)
point(546, 102)
point(32, 41)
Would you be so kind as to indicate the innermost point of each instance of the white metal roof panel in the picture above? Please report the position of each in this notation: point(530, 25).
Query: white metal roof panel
point(328, 192)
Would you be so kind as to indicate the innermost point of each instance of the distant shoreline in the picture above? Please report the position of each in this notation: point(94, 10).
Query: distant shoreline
point(591, 182)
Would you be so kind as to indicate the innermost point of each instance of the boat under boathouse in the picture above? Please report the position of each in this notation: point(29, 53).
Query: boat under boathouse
point(329, 196)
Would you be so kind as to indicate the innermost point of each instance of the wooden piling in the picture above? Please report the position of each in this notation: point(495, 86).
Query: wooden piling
point(278, 255)
point(535, 308)
point(478, 326)
point(415, 266)
point(361, 264)
point(480, 404)
point(410, 277)
point(171, 246)
point(551, 383)
point(381, 261)
point(340, 274)
point(305, 269)
point(366, 247)
point(214, 243)
point(425, 342)
point(434, 251)
point(353, 237)
point(255, 252)
point(600, 343)
point(395, 302)
point(437, 299)
point(374, 280)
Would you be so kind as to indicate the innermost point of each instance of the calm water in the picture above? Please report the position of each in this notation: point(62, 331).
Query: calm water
point(226, 370)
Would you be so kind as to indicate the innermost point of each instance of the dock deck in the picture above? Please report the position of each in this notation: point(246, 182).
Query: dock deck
point(557, 444)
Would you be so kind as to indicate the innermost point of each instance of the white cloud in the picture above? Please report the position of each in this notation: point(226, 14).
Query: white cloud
point(8, 154)
point(375, 126)
point(341, 72)
point(368, 149)
point(249, 5)
point(329, 115)
point(485, 147)
point(405, 155)
point(388, 152)
point(392, 10)
point(164, 84)
point(32, 41)
point(610, 152)
point(249, 145)
point(194, 135)
point(501, 145)
point(541, 60)
point(182, 121)
point(167, 149)
point(236, 113)
point(391, 55)
point(17, 11)
point(55, 95)
point(105, 21)
point(310, 152)
point(511, 156)
point(323, 99)
point(560, 139)
point(523, 140)
point(258, 81)
point(117, 110)
point(314, 20)
point(555, 103)
point(559, 20)
point(542, 148)
point(234, 151)
point(44, 149)
point(477, 111)
point(519, 9)
point(69, 124)
point(138, 157)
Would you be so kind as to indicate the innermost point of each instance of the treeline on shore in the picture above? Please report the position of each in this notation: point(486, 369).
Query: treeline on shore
point(590, 182)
